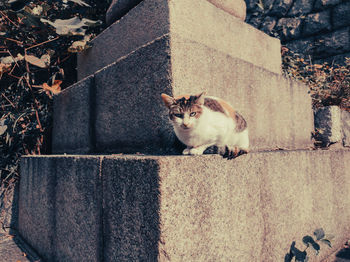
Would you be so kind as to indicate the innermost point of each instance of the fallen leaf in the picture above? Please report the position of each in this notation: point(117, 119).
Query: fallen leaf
point(79, 46)
point(4, 68)
point(3, 130)
point(37, 10)
point(52, 90)
point(72, 26)
point(80, 2)
point(42, 62)
point(7, 60)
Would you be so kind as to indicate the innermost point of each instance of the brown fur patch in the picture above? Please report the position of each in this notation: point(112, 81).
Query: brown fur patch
point(241, 124)
point(213, 105)
point(230, 111)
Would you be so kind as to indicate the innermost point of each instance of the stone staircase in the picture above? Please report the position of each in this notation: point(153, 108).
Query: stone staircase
point(93, 202)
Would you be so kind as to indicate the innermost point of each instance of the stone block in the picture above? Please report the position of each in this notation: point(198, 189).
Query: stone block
point(345, 118)
point(268, 24)
point(131, 214)
point(317, 22)
point(60, 207)
point(251, 4)
point(118, 9)
point(290, 28)
point(255, 20)
point(127, 114)
point(130, 116)
point(188, 208)
point(337, 59)
point(341, 15)
point(198, 21)
point(301, 7)
point(324, 3)
point(302, 47)
point(281, 7)
point(334, 43)
point(72, 118)
point(328, 125)
point(236, 8)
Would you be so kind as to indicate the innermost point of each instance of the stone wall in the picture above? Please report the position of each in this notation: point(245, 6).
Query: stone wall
point(319, 29)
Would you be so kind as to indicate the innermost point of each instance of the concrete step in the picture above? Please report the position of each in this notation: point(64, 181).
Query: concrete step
point(195, 20)
point(183, 208)
point(119, 108)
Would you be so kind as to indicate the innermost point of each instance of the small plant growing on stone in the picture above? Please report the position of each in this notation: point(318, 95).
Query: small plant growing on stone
point(297, 255)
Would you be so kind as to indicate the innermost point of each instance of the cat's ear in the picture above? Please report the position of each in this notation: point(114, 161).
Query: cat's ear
point(200, 98)
point(168, 100)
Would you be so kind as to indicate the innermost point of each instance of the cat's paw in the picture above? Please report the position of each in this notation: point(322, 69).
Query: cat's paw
point(233, 152)
point(186, 151)
point(196, 151)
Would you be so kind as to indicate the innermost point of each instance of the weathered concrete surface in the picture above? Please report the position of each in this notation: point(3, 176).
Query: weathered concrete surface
point(60, 206)
point(196, 20)
point(332, 125)
point(236, 8)
point(130, 116)
point(185, 208)
point(345, 118)
point(118, 8)
point(72, 121)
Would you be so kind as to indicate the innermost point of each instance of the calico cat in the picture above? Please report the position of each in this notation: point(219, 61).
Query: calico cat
point(201, 121)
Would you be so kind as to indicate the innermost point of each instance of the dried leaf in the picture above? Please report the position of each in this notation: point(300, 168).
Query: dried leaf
point(4, 68)
point(7, 60)
point(3, 127)
point(79, 46)
point(80, 2)
point(72, 26)
point(42, 62)
point(52, 90)
point(318, 66)
point(37, 10)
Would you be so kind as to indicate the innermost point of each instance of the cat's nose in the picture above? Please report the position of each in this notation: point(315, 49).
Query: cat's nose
point(186, 125)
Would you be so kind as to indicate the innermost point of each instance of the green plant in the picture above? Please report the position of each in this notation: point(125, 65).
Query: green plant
point(309, 241)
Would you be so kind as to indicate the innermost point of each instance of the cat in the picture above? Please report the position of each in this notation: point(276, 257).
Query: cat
point(201, 121)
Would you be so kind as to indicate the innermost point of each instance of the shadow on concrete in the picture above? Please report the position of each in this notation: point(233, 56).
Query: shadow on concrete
point(12, 246)
point(131, 221)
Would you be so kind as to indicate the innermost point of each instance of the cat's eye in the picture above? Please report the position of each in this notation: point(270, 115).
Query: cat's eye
point(179, 115)
point(193, 114)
